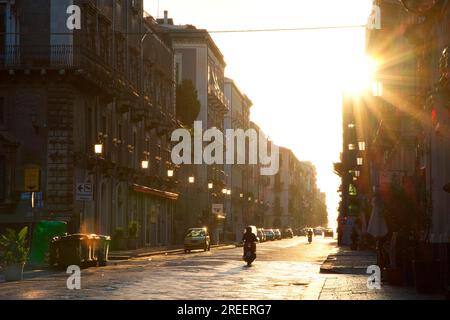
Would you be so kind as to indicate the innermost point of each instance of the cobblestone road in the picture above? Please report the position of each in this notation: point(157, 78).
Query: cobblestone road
point(287, 269)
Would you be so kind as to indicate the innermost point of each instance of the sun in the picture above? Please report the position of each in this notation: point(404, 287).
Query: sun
point(358, 74)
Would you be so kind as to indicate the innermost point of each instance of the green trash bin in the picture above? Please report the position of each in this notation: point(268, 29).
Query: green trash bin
point(43, 232)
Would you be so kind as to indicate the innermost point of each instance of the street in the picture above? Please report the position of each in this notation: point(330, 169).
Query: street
point(284, 270)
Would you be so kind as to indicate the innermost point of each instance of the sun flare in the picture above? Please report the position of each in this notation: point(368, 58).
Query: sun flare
point(358, 74)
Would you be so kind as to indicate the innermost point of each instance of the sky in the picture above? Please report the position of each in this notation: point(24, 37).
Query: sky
point(294, 78)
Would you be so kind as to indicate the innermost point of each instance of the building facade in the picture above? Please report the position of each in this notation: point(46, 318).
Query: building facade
point(198, 59)
point(237, 118)
point(80, 117)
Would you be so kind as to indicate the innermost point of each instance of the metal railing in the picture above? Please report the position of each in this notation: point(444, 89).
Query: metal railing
point(51, 57)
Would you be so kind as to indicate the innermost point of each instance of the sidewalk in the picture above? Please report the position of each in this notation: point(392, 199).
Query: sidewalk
point(155, 251)
point(345, 278)
point(346, 261)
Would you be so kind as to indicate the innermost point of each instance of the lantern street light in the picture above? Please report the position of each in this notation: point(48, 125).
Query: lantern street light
point(359, 161)
point(191, 179)
point(210, 185)
point(170, 173)
point(144, 164)
point(362, 146)
point(98, 148)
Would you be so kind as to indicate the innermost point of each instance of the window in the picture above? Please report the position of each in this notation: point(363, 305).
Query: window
point(2, 111)
point(103, 125)
point(2, 178)
point(2, 30)
point(178, 68)
point(89, 131)
point(135, 141)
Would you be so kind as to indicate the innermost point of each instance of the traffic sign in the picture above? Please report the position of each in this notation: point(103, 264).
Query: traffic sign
point(217, 208)
point(85, 192)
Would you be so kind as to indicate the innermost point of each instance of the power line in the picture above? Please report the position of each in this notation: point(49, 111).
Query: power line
point(186, 31)
point(288, 29)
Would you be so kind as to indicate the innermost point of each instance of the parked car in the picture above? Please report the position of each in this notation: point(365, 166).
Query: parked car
point(277, 234)
point(318, 231)
point(288, 233)
point(270, 235)
point(261, 235)
point(328, 233)
point(197, 238)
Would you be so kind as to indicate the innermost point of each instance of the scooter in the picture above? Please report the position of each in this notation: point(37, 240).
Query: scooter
point(249, 252)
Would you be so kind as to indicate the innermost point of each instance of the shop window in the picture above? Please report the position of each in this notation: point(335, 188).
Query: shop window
point(2, 178)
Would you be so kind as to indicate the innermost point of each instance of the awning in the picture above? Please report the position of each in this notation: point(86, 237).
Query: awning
point(155, 193)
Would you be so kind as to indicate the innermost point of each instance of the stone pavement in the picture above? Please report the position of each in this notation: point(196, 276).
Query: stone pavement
point(345, 278)
point(345, 261)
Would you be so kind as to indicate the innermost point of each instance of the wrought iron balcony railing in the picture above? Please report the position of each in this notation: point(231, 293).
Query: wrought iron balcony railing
point(50, 57)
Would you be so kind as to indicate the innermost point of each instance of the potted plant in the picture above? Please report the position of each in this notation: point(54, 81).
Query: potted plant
point(13, 253)
point(133, 230)
point(119, 239)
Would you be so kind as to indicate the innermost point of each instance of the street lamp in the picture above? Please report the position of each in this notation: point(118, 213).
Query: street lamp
point(362, 146)
point(210, 185)
point(241, 195)
point(98, 148)
point(170, 173)
point(224, 191)
point(359, 161)
point(229, 192)
point(191, 179)
point(144, 164)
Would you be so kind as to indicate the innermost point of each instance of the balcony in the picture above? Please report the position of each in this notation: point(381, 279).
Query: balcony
point(82, 60)
point(217, 99)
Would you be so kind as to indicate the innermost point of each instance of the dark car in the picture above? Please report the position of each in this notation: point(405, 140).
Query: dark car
point(288, 233)
point(270, 235)
point(328, 233)
point(318, 231)
point(277, 234)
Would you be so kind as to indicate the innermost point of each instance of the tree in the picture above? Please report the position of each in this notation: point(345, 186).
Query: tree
point(188, 106)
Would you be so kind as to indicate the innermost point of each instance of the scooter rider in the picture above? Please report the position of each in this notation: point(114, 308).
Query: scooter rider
point(310, 235)
point(249, 236)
